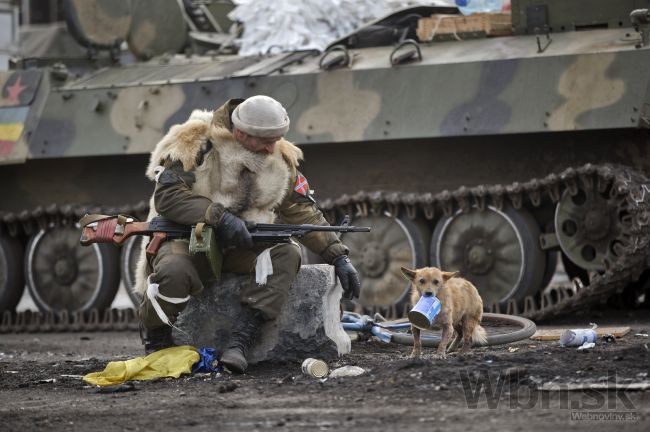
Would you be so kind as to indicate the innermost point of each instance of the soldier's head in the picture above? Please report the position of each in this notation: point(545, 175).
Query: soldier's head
point(258, 124)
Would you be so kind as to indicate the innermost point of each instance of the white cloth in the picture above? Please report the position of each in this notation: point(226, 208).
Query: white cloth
point(153, 292)
point(263, 266)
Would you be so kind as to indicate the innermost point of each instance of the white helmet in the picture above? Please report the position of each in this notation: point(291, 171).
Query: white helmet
point(261, 116)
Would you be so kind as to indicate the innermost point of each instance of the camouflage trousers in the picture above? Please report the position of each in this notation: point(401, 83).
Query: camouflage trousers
point(178, 278)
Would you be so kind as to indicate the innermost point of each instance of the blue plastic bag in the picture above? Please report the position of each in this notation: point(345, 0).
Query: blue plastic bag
point(208, 362)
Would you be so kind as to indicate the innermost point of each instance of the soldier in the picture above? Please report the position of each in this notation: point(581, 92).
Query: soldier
point(223, 168)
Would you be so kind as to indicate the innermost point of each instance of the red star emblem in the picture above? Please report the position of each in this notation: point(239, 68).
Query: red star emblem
point(15, 90)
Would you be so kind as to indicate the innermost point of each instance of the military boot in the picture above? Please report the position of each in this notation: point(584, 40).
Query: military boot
point(156, 339)
point(243, 334)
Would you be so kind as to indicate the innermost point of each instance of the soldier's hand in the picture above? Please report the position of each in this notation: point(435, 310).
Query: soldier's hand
point(232, 232)
point(348, 276)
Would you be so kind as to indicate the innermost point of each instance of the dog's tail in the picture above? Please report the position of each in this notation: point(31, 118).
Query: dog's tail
point(479, 336)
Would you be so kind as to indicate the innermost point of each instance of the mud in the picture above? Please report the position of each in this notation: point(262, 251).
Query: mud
point(40, 378)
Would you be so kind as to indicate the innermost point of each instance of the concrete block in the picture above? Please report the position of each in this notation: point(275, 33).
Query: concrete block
point(308, 325)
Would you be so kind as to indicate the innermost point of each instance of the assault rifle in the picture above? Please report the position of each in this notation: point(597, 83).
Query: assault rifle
point(116, 229)
point(282, 233)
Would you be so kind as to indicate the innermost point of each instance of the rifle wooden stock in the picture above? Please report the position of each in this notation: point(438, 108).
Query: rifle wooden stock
point(116, 229)
point(89, 235)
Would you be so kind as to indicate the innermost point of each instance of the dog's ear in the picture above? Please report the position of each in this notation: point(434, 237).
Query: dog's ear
point(448, 275)
point(408, 273)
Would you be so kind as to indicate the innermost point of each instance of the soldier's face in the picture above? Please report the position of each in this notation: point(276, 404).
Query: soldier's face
point(259, 145)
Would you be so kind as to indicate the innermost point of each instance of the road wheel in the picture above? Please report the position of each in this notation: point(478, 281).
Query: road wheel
point(379, 254)
point(12, 283)
point(128, 263)
point(63, 275)
point(497, 250)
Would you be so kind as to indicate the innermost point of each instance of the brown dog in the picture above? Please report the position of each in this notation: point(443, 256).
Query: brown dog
point(461, 308)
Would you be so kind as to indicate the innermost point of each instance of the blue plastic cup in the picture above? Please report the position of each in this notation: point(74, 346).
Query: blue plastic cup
point(424, 312)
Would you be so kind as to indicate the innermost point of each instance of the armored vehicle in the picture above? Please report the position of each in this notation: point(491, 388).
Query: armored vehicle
point(495, 156)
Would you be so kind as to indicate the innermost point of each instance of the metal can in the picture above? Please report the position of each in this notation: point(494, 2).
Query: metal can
point(577, 337)
point(315, 368)
point(424, 312)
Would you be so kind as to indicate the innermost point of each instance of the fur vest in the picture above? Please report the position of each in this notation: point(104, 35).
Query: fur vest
point(249, 185)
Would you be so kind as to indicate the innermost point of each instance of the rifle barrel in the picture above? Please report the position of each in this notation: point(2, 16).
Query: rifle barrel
point(307, 227)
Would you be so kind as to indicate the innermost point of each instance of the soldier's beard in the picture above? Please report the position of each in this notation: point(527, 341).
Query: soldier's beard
point(257, 160)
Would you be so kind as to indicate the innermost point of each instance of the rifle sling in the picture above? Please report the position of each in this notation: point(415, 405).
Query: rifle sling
point(90, 218)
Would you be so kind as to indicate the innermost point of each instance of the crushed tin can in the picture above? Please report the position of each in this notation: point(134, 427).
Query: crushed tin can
point(578, 337)
point(347, 371)
point(315, 368)
point(424, 312)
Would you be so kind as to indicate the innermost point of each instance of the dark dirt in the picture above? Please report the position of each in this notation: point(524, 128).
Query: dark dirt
point(40, 378)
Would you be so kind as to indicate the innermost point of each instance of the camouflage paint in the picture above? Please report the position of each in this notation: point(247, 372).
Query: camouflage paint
point(157, 28)
point(490, 86)
point(355, 108)
point(145, 127)
point(101, 22)
point(459, 93)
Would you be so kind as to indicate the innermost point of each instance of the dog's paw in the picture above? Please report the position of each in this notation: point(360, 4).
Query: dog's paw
point(440, 356)
point(415, 355)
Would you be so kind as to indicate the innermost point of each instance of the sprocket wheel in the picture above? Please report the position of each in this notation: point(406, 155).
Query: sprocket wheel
point(590, 226)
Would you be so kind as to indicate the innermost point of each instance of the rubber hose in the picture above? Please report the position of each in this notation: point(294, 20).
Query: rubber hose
point(526, 330)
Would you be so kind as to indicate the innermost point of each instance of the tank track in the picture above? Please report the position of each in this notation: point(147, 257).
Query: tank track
point(26, 223)
point(30, 222)
point(630, 186)
point(33, 322)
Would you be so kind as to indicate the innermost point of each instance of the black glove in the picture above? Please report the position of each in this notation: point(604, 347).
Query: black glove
point(232, 232)
point(348, 276)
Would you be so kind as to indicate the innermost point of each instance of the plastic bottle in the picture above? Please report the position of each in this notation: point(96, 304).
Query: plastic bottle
point(468, 7)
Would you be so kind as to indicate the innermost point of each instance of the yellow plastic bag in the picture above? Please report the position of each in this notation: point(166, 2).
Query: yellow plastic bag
point(168, 362)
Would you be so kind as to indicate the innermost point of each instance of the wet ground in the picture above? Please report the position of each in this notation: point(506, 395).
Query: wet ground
point(491, 388)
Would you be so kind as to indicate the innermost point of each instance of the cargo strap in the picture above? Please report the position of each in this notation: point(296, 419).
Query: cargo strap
point(198, 231)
